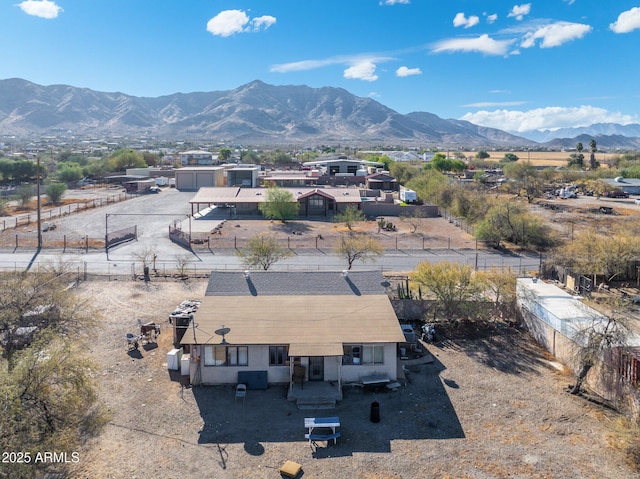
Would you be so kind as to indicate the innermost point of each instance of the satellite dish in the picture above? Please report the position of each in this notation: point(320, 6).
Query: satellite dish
point(385, 283)
point(222, 332)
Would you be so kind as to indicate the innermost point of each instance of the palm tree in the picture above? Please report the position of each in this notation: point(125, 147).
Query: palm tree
point(593, 164)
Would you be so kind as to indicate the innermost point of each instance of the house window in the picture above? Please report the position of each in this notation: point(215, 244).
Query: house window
point(373, 354)
point(316, 202)
point(278, 355)
point(363, 354)
point(352, 354)
point(226, 356)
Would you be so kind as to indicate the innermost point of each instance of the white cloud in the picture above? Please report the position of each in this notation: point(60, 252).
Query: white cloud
point(394, 2)
point(264, 21)
point(547, 118)
point(627, 21)
point(492, 18)
point(406, 72)
point(364, 70)
point(230, 22)
point(493, 104)
point(461, 21)
point(555, 34)
point(40, 8)
point(519, 11)
point(305, 65)
point(482, 44)
point(227, 23)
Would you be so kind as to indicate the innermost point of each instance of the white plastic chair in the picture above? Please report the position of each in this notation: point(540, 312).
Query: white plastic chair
point(241, 392)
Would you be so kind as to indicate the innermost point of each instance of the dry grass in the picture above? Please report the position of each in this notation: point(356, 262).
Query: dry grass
point(625, 437)
point(541, 158)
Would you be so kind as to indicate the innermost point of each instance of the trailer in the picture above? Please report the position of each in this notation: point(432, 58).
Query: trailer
point(407, 195)
point(139, 186)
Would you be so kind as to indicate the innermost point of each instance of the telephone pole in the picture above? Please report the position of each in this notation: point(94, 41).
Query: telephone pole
point(38, 202)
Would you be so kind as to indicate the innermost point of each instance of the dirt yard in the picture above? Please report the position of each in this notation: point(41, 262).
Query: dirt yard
point(491, 405)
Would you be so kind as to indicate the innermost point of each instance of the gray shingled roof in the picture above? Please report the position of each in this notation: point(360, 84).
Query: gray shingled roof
point(279, 283)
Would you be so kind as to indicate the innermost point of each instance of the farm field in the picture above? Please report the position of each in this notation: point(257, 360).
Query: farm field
point(542, 158)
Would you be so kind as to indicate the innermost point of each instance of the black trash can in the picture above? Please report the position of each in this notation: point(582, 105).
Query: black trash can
point(375, 411)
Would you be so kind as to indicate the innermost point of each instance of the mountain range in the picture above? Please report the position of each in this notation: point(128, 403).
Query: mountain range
point(259, 113)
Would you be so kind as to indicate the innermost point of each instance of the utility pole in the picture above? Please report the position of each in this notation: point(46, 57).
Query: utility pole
point(38, 202)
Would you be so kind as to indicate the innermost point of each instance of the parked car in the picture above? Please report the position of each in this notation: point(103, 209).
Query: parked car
point(637, 201)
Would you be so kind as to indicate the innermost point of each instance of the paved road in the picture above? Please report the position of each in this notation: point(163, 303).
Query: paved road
point(153, 213)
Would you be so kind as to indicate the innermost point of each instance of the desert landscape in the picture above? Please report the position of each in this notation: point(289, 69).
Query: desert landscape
point(490, 404)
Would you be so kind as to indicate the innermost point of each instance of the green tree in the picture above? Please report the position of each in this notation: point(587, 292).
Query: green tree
point(6, 169)
point(281, 158)
point(49, 404)
point(349, 216)
point(68, 172)
point(525, 179)
point(150, 158)
point(48, 398)
point(279, 204)
point(452, 284)
point(482, 154)
point(509, 157)
point(250, 156)
point(24, 170)
point(224, 154)
point(95, 168)
point(431, 186)
point(593, 252)
point(577, 159)
point(262, 251)
point(403, 171)
point(54, 192)
point(25, 194)
point(126, 158)
point(39, 300)
point(440, 163)
point(509, 221)
point(593, 147)
point(358, 247)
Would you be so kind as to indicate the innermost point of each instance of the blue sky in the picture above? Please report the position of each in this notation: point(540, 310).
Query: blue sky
point(509, 65)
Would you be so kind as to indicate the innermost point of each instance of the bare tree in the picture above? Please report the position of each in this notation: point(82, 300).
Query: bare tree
point(413, 218)
point(598, 340)
point(358, 247)
point(182, 264)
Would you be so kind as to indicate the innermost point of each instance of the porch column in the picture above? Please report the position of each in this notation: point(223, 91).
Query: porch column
point(290, 374)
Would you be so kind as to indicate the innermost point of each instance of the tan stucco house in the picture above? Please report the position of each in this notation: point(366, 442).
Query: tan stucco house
point(339, 326)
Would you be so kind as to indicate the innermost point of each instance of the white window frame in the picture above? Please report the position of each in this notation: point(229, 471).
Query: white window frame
point(221, 356)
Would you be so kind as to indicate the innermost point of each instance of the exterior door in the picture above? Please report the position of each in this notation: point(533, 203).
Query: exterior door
point(316, 368)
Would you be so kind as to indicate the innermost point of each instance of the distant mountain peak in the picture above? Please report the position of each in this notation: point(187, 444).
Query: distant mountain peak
point(256, 112)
